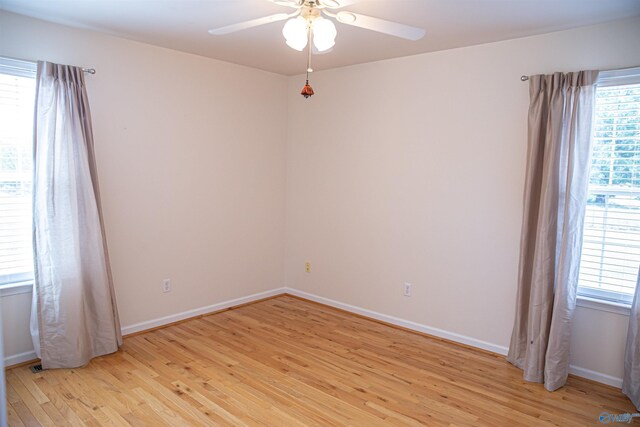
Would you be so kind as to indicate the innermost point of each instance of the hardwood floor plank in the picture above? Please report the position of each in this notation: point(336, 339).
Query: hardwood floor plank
point(27, 379)
point(57, 399)
point(13, 419)
point(79, 404)
point(114, 417)
point(12, 396)
point(28, 400)
point(289, 362)
point(25, 415)
point(186, 407)
point(54, 414)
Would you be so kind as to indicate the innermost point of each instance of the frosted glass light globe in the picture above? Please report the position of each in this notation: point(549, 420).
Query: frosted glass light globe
point(324, 34)
point(295, 33)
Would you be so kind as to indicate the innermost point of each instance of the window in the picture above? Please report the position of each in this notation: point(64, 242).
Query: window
point(611, 241)
point(17, 97)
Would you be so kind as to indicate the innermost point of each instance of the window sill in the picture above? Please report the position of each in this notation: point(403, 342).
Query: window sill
point(602, 305)
point(16, 288)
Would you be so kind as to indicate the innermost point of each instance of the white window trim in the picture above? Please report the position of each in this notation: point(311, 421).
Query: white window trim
point(607, 79)
point(603, 305)
point(16, 288)
point(618, 77)
point(17, 67)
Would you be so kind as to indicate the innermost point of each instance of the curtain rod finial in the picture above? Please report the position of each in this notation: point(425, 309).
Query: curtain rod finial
point(524, 78)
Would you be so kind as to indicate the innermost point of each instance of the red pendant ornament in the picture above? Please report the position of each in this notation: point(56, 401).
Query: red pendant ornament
point(307, 90)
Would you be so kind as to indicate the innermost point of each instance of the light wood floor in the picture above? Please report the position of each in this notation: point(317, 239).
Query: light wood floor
point(290, 362)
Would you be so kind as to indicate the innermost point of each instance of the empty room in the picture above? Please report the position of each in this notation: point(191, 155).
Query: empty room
point(319, 212)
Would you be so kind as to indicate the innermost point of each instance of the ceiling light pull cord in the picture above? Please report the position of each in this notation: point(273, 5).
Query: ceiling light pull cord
point(307, 90)
point(309, 48)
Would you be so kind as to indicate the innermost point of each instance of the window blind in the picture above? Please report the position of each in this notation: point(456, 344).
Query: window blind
point(17, 96)
point(611, 242)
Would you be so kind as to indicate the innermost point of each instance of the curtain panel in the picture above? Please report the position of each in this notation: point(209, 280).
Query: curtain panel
point(74, 316)
point(631, 378)
point(559, 148)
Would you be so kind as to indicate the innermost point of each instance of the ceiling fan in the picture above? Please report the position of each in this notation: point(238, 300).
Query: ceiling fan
point(312, 20)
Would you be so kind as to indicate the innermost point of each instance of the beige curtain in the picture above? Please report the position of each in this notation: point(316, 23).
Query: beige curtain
point(559, 145)
point(631, 379)
point(3, 393)
point(74, 316)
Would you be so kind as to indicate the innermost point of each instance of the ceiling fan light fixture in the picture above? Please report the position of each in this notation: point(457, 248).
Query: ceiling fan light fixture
point(324, 34)
point(295, 33)
point(306, 27)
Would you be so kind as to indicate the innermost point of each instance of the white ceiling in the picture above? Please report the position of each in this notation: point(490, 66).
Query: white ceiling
point(183, 25)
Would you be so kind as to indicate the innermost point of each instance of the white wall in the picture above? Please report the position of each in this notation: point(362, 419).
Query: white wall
point(190, 154)
point(15, 311)
point(412, 170)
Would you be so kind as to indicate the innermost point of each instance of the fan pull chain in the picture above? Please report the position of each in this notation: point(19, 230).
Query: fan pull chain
point(309, 49)
point(307, 90)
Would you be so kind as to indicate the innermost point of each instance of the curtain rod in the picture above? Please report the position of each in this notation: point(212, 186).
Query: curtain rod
point(636, 69)
point(86, 70)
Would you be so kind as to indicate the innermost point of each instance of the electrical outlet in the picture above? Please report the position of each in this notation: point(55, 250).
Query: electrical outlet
point(166, 285)
point(407, 289)
point(307, 267)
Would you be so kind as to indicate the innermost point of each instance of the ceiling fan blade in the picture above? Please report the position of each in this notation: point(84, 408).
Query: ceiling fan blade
point(380, 25)
point(288, 3)
point(336, 4)
point(250, 24)
point(329, 4)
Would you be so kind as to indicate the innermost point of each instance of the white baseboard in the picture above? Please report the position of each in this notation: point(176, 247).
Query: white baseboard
point(452, 336)
point(441, 333)
point(463, 339)
point(160, 321)
point(15, 359)
point(595, 376)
